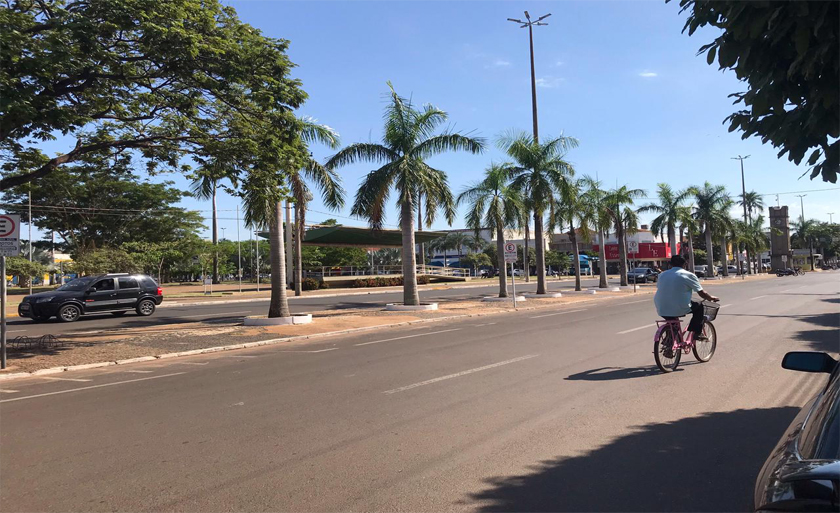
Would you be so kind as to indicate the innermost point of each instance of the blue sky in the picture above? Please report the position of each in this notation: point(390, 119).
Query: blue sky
point(618, 76)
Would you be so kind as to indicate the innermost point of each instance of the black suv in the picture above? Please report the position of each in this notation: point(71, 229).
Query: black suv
point(114, 293)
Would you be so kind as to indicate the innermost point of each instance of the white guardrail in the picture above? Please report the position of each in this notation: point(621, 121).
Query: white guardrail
point(384, 270)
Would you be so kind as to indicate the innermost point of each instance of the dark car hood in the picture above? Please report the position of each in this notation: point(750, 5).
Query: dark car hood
point(52, 293)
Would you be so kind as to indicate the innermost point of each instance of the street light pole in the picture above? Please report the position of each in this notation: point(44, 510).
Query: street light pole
point(744, 199)
point(801, 207)
point(238, 250)
point(530, 24)
point(810, 240)
point(830, 219)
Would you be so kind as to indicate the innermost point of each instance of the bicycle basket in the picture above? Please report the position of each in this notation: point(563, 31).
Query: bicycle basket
point(710, 311)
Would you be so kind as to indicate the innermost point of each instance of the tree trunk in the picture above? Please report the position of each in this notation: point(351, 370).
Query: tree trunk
point(710, 254)
point(215, 239)
point(526, 262)
point(500, 261)
point(622, 255)
point(279, 306)
point(602, 262)
point(672, 238)
point(299, 231)
point(748, 259)
point(690, 251)
point(409, 260)
point(811, 251)
point(724, 258)
point(575, 254)
point(540, 247)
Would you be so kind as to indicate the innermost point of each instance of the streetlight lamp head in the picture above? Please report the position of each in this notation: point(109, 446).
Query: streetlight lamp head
point(527, 16)
point(543, 17)
point(515, 20)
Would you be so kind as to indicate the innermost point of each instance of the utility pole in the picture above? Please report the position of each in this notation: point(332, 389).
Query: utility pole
point(810, 240)
point(744, 199)
point(830, 219)
point(802, 207)
point(29, 222)
point(238, 250)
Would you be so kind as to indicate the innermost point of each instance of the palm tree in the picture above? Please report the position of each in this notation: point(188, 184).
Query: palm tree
point(540, 171)
point(326, 180)
point(615, 202)
point(457, 241)
point(724, 227)
point(689, 224)
point(408, 140)
point(204, 186)
point(668, 209)
point(440, 244)
point(495, 205)
point(754, 203)
point(805, 230)
point(571, 209)
point(474, 242)
point(600, 219)
point(707, 212)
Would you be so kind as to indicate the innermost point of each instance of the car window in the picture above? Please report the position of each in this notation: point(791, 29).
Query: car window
point(128, 283)
point(106, 284)
point(814, 439)
point(77, 284)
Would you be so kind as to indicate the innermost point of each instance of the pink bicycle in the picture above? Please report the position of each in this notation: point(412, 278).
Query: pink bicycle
point(671, 341)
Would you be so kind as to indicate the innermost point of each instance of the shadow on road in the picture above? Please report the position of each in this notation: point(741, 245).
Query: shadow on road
point(704, 463)
point(612, 373)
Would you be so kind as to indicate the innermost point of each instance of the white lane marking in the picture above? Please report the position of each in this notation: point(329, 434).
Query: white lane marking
point(191, 363)
point(222, 314)
point(406, 336)
point(459, 374)
point(724, 306)
point(65, 379)
point(8, 391)
point(639, 301)
point(139, 371)
point(15, 331)
point(90, 387)
point(237, 356)
point(756, 297)
point(318, 351)
point(557, 313)
point(646, 326)
point(787, 290)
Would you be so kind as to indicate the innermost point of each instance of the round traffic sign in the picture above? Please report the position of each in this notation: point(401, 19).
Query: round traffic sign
point(7, 226)
point(510, 247)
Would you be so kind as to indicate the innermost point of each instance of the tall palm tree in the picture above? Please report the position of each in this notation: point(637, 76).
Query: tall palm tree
point(572, 210)
point(600, 219)
point(408, 140)
point(804, 231)
point(495, 205)
point(457, 241)
point(615, 202)
point(668, 209)
point(724, 227)
point(326, 180)
point(754, 203)
point(204, 186)
point(539, 171)
point(688, 223)
point(474, 242)
point(707, 211)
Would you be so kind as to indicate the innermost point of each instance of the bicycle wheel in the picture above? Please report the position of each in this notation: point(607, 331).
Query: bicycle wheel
point(666, 355)
point(704, 350)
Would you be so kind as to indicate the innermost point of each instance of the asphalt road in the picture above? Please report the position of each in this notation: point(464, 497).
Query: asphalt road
point(552, 410)
point(234, 312)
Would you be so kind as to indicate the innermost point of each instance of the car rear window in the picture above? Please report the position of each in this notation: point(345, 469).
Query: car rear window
point(128, 283)
point(148, 283)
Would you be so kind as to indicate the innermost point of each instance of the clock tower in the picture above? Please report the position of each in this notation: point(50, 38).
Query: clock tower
point(780, 256)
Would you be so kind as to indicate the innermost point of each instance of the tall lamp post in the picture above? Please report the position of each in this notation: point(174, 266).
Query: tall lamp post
point(830, 219)
point(802, 220)
point(530, 24)
point(744, 199)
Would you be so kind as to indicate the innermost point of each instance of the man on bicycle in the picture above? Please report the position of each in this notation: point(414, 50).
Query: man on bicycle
point(673, 296)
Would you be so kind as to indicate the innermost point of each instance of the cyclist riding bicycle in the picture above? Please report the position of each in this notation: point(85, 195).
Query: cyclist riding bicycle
point(673, 296)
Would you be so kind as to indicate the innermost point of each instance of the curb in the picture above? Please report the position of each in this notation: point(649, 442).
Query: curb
point(274, 341)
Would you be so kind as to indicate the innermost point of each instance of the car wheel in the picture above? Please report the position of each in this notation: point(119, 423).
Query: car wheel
point(69, 313)
point(146, 307)
point(118, 314)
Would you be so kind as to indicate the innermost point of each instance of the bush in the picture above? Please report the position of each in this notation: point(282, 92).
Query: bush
point(310, 284)
point(386, 281)
point(423, 280)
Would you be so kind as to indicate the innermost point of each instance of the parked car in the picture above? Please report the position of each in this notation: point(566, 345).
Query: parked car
point(112, 293)
point(642, 275)
point(700, 270)
point(519, 272)
point(802, 472)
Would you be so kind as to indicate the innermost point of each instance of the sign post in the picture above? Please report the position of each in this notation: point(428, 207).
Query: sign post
point(9, 246)
point(511, 257)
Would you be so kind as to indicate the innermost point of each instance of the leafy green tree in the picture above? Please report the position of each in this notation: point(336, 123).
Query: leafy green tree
point(803, 236)
point(149, 80)
point(558, 260)
point(689, 225)
point(205, 185)
point(338, 256)
point(104, 260)
point(787, 53)
point(617, 204)
point(540, 171)
point(572, 208)
point(408, 141)
point(24, 269)
point(475, 260)
point(387, 256)
point(495, 205)
point(668, 208)
point(98, 202)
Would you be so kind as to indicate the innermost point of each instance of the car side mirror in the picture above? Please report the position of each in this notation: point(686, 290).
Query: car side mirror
point(808, 361)
point(92, 289)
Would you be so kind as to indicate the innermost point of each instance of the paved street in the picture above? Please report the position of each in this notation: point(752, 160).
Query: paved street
point(552, 410)
point(216, 314)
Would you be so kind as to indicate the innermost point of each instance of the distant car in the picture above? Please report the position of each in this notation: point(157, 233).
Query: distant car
point(111, 293)
point(702, 271)
point(642, 275)
point(802, 472)
point(518, 272)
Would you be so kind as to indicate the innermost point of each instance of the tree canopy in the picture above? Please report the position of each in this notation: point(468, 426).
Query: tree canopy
point(156, 80)
point(787, 53)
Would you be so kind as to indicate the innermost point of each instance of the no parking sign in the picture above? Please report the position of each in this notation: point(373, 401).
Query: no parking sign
point(9, 235)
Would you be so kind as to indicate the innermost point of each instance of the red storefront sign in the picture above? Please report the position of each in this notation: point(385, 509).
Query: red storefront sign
point(647, 251)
